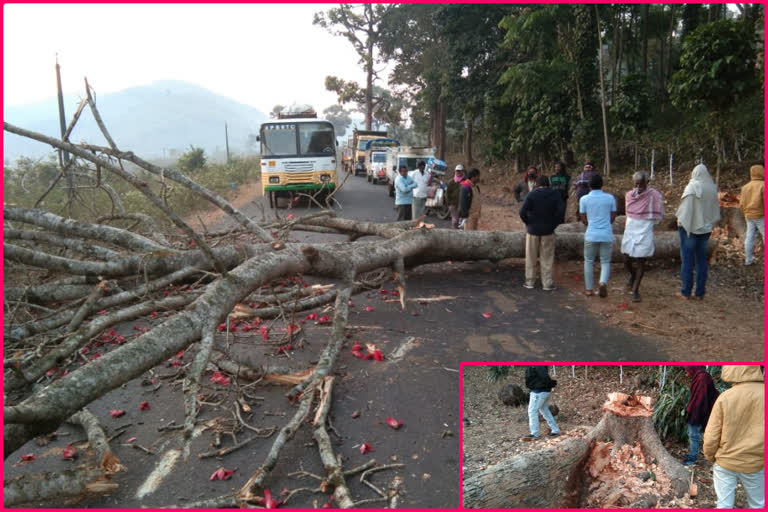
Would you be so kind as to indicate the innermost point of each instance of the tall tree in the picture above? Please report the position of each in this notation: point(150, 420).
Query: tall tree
point(339, 117)
point(360, 25)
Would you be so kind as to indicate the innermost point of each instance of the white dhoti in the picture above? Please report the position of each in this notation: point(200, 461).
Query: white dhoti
point(638, 238)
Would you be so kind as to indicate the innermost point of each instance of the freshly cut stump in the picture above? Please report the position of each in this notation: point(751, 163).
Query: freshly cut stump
point(620, 462)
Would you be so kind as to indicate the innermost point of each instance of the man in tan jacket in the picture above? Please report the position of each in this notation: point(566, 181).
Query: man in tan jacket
point(734, 438)
point(753, 207)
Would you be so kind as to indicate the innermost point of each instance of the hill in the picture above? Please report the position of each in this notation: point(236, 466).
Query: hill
point(155, 120)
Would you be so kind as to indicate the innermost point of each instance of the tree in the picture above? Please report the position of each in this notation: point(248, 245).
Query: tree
point(359, 24)
point(717, 72)
point(339, 118)
point(191, 161)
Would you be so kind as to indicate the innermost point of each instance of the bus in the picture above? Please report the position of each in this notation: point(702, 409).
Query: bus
point(298, 155)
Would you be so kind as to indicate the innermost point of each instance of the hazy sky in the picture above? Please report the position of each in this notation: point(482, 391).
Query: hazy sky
point(260, 55)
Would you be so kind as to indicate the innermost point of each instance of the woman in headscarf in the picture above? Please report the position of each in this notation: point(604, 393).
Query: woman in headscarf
point(703, 396)
point(698, 212)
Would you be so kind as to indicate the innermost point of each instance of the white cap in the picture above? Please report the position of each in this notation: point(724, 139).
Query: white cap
point(459, 167)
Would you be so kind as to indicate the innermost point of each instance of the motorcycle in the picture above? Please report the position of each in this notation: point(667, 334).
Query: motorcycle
point(436, 204)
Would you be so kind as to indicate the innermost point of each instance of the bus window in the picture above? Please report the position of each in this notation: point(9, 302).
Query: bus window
point(316, 139)
point(379, 157)
point(278, 139)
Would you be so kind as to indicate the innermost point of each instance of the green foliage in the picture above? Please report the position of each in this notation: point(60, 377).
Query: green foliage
point(632, 107)
point(497, 372)
point(191, 161)
point(717, 68)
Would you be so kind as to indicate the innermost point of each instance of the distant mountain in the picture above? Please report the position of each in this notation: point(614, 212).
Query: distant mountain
point(155, 120)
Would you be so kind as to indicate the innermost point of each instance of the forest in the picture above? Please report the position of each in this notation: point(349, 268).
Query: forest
point(536, 83)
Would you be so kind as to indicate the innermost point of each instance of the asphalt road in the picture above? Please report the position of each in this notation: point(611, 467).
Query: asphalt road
point(418, 384)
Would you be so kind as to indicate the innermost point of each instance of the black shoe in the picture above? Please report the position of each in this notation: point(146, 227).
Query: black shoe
point(603, 290)
point(531, 437)
point(635, 297)
point(553, 434)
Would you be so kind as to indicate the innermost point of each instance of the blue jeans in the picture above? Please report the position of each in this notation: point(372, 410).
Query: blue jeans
point(591, 250)
point(749, 244)
point(539, 403)
point(693, 253)
point(725, 487)
point(694, 440)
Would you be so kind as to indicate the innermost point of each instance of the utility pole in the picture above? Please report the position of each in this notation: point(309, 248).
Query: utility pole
point(226, 139)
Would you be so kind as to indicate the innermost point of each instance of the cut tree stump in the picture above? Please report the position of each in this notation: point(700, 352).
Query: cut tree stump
point(600, 469)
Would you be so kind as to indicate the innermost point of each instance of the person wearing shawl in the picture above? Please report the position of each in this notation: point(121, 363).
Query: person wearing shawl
point(703, 396)
point(734, 440)
point(582, 181)
point(527, 184)
point(698, 212)
point(452, 195)
point(645, 208)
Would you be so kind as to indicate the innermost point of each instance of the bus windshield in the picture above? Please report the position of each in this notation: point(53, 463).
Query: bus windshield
point(379, 157)
point(297, 139)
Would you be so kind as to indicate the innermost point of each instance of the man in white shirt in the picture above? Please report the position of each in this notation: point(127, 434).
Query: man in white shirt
point(422, 178)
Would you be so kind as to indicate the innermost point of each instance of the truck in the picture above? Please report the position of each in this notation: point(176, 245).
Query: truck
point(348, 156)
point(298, 155)
point(376, 159)
point(360, 138)
point(409, 156)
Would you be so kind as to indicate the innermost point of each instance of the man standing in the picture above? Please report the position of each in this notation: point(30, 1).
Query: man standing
point(703, 396)
point(561, 181)
point(542, 211)
point(470, 202)
point(404, 186)
point(598, 211)
point(422, 179)
point(452, 195)
point(582, 181)
point(645, 208)
point(734, 440)
point(527, 185)
point(538, 381)
point(753, 208)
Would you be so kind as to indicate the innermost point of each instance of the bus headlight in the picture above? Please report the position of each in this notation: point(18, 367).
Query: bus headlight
point(325, 177)
point(274, 179)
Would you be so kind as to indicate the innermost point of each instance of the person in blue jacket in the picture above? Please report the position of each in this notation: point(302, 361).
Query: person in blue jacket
point(404, 186)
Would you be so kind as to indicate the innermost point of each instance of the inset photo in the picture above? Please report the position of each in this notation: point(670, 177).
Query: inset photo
point(612, 436)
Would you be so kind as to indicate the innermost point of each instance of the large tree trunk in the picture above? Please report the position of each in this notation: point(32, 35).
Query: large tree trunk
point(582, 471)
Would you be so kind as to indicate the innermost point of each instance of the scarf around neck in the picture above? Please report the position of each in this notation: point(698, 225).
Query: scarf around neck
point(700, 206)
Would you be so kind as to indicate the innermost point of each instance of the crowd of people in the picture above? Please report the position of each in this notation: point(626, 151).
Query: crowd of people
point(544, 199)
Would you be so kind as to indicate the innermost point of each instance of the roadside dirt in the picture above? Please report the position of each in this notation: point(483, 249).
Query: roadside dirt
point(492, 431)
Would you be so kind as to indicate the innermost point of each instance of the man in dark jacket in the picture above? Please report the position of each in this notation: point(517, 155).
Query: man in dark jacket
point(703, 396)
point(470, 202)
point(538, 381)
point(542, 211)
point(561, 180)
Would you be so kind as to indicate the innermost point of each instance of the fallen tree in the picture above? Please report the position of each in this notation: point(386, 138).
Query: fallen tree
point(100, 276)
point(619, 462)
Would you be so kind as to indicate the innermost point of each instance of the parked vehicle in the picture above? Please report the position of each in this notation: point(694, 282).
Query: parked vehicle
point(360, 138)
point(436, 204)
point(404, 155)
point(298, 154)
point(376, 158)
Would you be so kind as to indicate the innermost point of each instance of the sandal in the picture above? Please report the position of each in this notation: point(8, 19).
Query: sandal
point(589, 293)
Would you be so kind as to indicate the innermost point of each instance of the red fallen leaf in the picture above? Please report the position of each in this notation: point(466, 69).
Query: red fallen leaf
point(487, 315)
point(351, 304)
point(85, 350)
point(366, 447)
point(357, 346)
point(28, 457)
point(50, 372)
point(270, 502)
point(141, 329)
point(222, 327)
point(255, 322)
point(358, 354)
point(264, 332)
point(325, 319)
point(290, 216)
point(221, 474)
point(292, 328)
point(246, 328)
point(577, 278)
point(312, 316)
point(623, 305)
point(103, 312)
point(192, 243)
point(377, 355)
point(176, 364)
point(143, 406)
point(69, 453)
point(95, 355)
point(116, 413)
point(395, 293)
point(384, 292)
point(218, 378)
point(369, 308)
point(392, 422)
point(130, 440)
point(285, 492)
point(153, 314)
point(119, 340)
point(166, 293)
point(180, 354)
point(284, 349)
